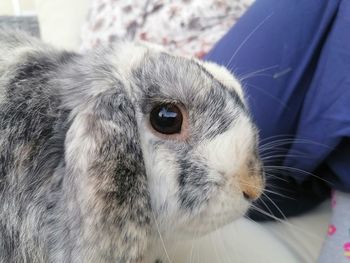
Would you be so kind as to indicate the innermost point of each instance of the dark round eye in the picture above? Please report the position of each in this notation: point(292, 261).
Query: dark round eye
point(166, 119)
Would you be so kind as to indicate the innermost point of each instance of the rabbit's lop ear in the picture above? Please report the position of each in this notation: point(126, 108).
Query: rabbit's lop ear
point(107, 174)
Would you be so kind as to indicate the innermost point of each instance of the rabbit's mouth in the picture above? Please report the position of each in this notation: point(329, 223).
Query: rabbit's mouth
point(203, 226)
point(220, 211)
point(227, 203)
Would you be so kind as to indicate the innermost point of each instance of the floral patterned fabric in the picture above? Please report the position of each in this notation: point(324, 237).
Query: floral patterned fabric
point(186, 27)
point(336, 247)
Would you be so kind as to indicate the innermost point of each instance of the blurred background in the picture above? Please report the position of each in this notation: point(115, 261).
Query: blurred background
point(188, 27)
point(58, 21)
point(17, 7)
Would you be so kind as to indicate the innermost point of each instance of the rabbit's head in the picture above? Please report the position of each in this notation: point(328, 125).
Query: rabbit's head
point(158, 140)
point(199, 144)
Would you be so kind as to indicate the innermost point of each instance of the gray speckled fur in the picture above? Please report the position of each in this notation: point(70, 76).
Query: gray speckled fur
point(42, 217)
point(73, 183)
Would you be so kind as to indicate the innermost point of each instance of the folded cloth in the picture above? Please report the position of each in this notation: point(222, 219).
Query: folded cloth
point(293, 58)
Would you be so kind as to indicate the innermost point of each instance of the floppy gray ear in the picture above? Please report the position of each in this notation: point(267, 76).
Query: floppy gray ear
point(106, 172)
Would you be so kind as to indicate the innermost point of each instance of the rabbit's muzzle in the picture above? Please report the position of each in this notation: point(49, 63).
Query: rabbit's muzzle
point(251, 179)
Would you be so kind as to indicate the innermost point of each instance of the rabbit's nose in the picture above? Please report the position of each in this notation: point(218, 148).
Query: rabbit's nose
point(251, 194)
point(251, 181)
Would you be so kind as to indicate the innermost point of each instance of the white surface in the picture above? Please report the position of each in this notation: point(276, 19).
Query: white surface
point(61, 21)
point(240, 242)
point(6, 7)
point(303, 235)
point(17, 7)
point(298, 240)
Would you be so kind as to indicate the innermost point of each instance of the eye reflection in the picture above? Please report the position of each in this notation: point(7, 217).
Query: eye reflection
point(166, 119)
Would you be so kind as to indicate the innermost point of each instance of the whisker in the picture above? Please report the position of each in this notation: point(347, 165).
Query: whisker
point(296, 140)
point(276, 206)
point(254, 76)
point(268, 94)
point(247, 38)
point(297, 170)
point(196, 235)
point(283, 189)
point(268, 175)
point(290, 227)
point(248, 75)
point(287, 136)
point(265, 190)
point(267, 207)
point(161, 238)
point(275, 148)
point(279, 194)
point(285, 222)
point(284, 156)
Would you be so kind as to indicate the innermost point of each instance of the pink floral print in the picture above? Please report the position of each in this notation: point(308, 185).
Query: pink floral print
point(186, 27)
point(331, 230)
point(347, 250)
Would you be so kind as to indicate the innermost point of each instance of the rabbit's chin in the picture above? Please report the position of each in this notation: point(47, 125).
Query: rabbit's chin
point(212, 217)
point(206, 223)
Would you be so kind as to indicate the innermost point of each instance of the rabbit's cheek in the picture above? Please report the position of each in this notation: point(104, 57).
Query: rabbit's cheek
point(161, 175)
point(231, 156)
point(229, 151)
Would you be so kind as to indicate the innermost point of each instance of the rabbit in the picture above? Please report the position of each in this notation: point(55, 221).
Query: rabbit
point(105, 152)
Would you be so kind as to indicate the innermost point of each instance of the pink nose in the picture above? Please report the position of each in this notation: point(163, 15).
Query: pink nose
point(251, 194)
point(251, 180)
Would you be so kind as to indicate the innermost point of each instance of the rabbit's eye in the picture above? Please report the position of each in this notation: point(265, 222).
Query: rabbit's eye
point(166, 119)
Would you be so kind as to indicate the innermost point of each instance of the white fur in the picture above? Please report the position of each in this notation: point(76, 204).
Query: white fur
point(162, 178)
point(224, 76)
point(128, 56)
point(225, 155)
point(229, 150)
